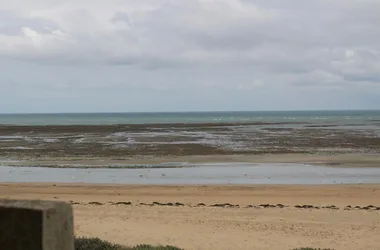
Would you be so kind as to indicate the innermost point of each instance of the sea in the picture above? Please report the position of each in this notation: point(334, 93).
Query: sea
point(337, 117)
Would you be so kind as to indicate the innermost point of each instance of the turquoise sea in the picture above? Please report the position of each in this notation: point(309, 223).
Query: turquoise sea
point(350, 117)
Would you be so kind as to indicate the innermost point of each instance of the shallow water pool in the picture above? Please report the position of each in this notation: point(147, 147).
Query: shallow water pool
point(216, 173)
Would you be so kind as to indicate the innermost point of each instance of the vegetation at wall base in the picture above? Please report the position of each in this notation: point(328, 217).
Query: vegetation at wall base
point(98, 244)
point(311, 248)
point(84, 243)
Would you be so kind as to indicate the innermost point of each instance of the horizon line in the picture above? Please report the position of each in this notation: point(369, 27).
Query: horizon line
point(173, 112)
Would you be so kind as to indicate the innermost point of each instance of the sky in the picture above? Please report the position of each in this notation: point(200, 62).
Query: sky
point(188, 55)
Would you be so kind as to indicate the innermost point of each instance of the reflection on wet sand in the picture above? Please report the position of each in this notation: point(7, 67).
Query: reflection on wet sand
point(199, 174)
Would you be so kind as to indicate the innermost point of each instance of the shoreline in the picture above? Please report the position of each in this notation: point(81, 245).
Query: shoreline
point(105, 127)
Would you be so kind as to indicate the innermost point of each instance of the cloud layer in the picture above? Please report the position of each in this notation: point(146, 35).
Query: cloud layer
point(248, 55)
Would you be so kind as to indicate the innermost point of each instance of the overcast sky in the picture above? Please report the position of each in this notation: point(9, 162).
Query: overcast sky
point(188, 55)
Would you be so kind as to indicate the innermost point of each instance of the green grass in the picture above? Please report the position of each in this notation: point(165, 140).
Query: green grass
point(98, 244)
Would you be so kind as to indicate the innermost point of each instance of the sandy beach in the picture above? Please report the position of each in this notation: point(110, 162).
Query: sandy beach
point(204, 216)
point(220, 217)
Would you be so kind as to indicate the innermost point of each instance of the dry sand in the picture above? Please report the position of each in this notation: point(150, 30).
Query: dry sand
point(192, 227)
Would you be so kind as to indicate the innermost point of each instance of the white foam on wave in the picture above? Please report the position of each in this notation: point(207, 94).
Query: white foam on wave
point(19, 148)
point(122, 146)
point(11, 137)
point(223, 140)
point(50, 140)
point(147, 143)
point(79, 140)
point(118, 134)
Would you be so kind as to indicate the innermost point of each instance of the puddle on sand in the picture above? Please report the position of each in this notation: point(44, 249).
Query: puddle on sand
point(201, 174)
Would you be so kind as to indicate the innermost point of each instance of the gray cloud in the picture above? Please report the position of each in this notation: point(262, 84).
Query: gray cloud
point(74, 49)
point(11, 24)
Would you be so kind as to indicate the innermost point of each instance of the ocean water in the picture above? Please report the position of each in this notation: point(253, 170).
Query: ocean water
point(347, 117)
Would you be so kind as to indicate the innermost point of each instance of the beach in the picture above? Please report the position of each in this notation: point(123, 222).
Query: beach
point(272, 183)
point(220, 217)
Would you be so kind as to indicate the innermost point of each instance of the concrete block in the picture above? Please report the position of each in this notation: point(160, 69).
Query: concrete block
point(36, 225)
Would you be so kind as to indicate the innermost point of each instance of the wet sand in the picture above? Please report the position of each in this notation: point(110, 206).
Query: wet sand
point(174, 214)
point(126, 145)
point(355, 160)
point(196, 174)
point(135, 142)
